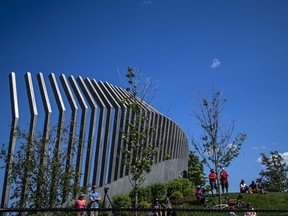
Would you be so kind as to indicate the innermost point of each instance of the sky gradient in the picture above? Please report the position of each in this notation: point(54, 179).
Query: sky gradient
point(240, 46)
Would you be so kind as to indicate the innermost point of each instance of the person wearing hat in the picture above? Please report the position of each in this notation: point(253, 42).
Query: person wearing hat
point(212, 181)
point(94, 199)
point(80, 204)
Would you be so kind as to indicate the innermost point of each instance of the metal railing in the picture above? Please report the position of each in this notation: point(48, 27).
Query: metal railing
point(131, 212)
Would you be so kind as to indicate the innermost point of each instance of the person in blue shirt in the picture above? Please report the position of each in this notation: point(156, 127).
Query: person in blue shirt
point(94, 199)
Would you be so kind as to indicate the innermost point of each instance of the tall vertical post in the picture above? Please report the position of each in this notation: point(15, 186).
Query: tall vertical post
point(12, 139)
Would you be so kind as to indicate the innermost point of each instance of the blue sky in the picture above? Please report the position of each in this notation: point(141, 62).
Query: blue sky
point(184, 46)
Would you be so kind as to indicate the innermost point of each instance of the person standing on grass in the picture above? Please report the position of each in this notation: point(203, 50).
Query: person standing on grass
point(224, 181)
point(212, 181)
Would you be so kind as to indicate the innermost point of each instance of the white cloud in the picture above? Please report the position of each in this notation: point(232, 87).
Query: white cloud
point(257, 147)
point(146, 2)
point(215, 63)
point(231, 145)
point(284, 156)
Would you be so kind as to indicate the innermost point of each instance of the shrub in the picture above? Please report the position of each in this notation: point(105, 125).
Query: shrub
point(176, 195)
point(144, 194)
point(189, 192)
point(173, 186)
point(158, 190)
point(121, 201)
point(144, 204)
point(184, 182)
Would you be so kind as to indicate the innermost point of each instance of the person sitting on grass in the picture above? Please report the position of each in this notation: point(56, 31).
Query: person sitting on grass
point(167, 205)
point(156, 207)
point(243, 187)
point(203, 197)
point(198, 195)
point(231, 210)
point(250, 212)
point(253, 188)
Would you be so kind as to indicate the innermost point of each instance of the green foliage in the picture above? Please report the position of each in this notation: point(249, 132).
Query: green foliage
point(217, 145)
point(274, 177)
point(173, 187)
point(144, 194)
point(144, 204)
point(196, 173)
point(121, 201)
point(189, 192)
point(158, 190)
point(140, 148)
point(185, 183)
point(41, 166)
point(176, 195)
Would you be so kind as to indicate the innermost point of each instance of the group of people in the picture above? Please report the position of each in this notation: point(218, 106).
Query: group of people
point(164, 209)
point(252, 188)
point(248, 212)
point(223, 181)
point(94, 198)
point(244, 188)
point(200, 194)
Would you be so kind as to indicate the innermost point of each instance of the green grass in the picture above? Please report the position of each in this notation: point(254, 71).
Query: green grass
point(269, 201)
point(272, 200)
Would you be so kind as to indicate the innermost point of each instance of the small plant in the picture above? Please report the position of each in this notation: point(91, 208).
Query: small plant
point(189, 192)
point(176, 195)
point(144, 204)
point(173, 186)
point(121, 201)
point(158, 190)
point(144, 194)
point(185, 183)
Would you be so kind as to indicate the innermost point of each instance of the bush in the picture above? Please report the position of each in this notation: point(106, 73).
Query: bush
point(144, 204)
point(144, 194)
point(173, 186)
point(184, 182)
point(121, 201)
point(158, 190)
point(176, 195)
point(189, 192)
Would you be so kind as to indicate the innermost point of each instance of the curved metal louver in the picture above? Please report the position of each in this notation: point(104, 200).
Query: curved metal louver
point(99, 121)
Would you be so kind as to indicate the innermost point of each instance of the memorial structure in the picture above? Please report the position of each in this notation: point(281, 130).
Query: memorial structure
point(95, 106)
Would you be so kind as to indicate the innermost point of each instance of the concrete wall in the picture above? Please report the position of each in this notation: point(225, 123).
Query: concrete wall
point(163, 172)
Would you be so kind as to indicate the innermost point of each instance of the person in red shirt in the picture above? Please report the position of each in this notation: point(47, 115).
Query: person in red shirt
point(80, 204)
point(212, 181)
point(224, 181)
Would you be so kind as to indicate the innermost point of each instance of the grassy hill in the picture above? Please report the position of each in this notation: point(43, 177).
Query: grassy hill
point(272, 200)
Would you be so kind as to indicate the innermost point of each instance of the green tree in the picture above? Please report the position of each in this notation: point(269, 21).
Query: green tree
point(140, 150)
point(40, 167)
point(196, 173)
point(217, 144)
point(274, 177)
